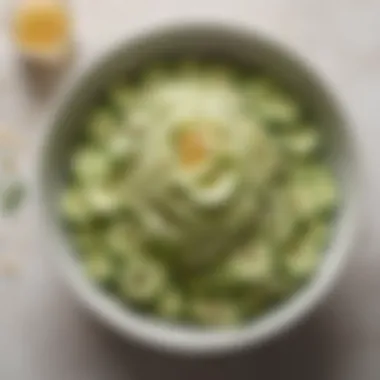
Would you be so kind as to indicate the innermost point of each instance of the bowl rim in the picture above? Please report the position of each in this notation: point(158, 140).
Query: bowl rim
point(176, 338)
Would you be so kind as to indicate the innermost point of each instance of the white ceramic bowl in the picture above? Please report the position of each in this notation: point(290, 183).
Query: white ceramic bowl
point(243, 46)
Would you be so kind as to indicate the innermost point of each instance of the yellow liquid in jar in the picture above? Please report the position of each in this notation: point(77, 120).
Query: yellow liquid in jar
point(41, 26)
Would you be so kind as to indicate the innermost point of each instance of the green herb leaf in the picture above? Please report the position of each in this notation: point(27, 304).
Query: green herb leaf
point(12, 197)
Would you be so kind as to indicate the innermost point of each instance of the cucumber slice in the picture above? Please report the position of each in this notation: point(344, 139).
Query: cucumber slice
point(99, 267)
point(313, 191)
point(303, 261)
point(302, 143)
point(251, 266)
point(143, 280)
point(91, 166)
point(215, 312)
point(74, 207)
point(170, 305)
point(102, 125)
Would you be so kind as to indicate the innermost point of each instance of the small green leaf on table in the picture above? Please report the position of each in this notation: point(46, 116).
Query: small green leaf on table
point(12, 197)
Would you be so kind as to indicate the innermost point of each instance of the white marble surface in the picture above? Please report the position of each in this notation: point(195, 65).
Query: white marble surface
point(43, 334)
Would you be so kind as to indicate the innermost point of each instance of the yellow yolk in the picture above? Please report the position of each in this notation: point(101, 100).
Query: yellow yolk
point(192, 148)
point(41, 25)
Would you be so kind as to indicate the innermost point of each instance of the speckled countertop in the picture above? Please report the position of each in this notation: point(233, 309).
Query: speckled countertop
point(45, 336)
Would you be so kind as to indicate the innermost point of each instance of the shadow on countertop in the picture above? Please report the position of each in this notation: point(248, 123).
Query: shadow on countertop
point(316, 349)
point(66, 342)
point(73, 345)
point(305, 352)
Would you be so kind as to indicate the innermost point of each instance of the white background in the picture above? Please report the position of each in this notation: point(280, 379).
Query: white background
point(45, 336)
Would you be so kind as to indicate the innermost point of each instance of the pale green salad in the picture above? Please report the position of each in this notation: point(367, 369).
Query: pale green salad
point(200, 194)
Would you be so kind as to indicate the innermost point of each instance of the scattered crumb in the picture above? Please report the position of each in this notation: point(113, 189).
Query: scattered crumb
point(9, 139)
point(9, 268)
point(8, 164)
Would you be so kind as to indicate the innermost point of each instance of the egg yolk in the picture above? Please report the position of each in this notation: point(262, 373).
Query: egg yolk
point(192, 148)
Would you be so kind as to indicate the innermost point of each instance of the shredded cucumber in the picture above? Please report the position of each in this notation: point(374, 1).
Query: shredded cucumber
point(200, 193)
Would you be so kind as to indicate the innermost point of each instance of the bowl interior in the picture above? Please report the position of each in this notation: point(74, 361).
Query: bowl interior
point(206, 42)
